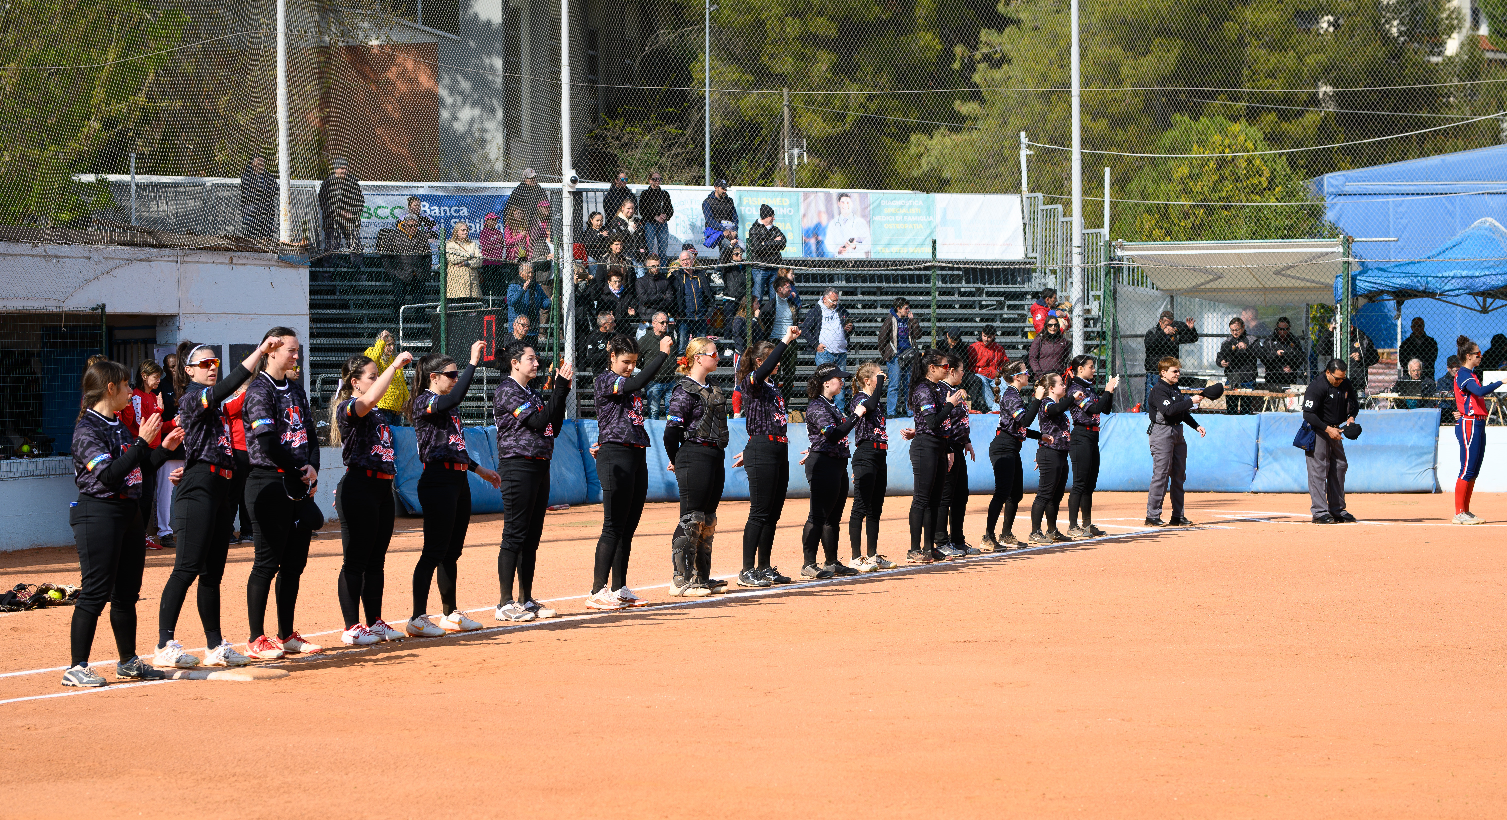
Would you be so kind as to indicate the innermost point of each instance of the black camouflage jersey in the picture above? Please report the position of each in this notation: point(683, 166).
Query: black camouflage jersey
point(365, 441)
point(97, 441)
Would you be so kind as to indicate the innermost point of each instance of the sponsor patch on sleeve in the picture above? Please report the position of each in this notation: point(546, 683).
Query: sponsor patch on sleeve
point(96, 461)
point(523, 410)
point(674, 419)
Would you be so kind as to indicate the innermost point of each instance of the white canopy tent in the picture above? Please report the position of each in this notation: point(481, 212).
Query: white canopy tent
point(1276, 271)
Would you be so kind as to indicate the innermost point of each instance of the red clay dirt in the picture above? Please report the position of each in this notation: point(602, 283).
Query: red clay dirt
point(1259, 666)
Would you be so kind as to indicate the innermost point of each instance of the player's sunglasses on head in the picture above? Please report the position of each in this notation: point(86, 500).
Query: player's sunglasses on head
point(207, 364)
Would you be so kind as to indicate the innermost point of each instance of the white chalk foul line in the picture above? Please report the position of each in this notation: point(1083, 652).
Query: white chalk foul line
point(630, 612)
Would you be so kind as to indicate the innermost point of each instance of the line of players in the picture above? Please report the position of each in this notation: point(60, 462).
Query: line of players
point(279, 490)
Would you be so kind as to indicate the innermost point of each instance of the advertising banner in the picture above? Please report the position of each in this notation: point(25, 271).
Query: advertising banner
point(787, 213)
point(902, 225)
point(979, 226)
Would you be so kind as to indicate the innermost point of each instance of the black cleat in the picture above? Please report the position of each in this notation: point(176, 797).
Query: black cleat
point(137, 669)
point(1058, 537)
point(839, 570)
point(1180, 521)
point(1324, 518)
point(774, 576)
point(919, 557)
point(754, 578)
point(1344, 518)
point(815, 573)
point(1154, 522)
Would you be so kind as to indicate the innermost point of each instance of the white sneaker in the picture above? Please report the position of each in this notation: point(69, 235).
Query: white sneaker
point(358, 635)
point(880, 562)
point(384, 632)
point(458, 622)
point(863, 564)
point(422, 627)
point(225, 655)
point(174, 655)
point(540, 611)
point(512, 612)
point(604, 599)
point(1462, 518)
point(296, 643)
point(627, 597)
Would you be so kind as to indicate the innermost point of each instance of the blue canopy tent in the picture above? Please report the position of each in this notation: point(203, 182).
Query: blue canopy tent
point(1424, 205)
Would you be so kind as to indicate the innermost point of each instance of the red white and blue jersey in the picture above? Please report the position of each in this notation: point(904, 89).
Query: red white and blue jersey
point(1470, 394)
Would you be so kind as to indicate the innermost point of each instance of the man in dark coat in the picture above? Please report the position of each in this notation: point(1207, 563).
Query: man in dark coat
point(258, 200)
point(340, 206)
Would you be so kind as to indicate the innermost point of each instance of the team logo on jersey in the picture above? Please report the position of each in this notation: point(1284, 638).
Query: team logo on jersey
point(457, 439)
point(295, 417)
point(636, 411)
point(296, 435)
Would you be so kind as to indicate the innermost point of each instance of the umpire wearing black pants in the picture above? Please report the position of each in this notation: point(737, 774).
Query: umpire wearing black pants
point(1329, 406)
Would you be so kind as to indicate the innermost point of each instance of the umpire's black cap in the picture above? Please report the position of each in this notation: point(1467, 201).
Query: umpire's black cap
point(1351, 431)
point(1213, 391)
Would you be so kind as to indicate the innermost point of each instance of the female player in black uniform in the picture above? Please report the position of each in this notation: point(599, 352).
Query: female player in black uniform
point(526, 430)
point(870, 469)
point(1083, 449)
point(280, 489)
point(766, 458)
point(827, 469)
point(203, 509)
point(107, 523)
point(931, 400)
point(1016, 413)
point(1051, 459)
point(695, 438)
point(363, 498)
point(622, 465)
point(950, 541)
point(444, 488)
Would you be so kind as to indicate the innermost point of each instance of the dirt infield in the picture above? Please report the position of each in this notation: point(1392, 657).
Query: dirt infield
point(1256, 666)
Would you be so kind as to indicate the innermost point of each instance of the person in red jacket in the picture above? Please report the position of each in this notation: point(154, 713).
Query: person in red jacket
point(988, 358)
point(1046, 306)
point(145, 404)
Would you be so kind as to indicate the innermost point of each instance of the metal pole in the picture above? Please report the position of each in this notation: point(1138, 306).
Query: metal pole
point(1106, 206)
point(104, 327)
point(1076, 280)
point(933, 292)
point(1025, 190)
point(706, 124)
point(133, 187)
point(565, 258)
point(785, 144)
point(284, 178)
point(1342, 310)
point(444, 345)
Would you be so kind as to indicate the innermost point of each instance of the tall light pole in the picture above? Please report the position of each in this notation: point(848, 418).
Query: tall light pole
point(1076, 280)
point(284, 173)
point(565, 262)
point(706, 124)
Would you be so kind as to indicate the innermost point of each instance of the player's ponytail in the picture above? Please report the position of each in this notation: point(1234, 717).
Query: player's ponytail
point(97, 380)
point(1465, 347)
point(350, 370)
point(1077, 362)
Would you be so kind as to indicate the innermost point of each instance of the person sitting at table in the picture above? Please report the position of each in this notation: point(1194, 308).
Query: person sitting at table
point(1416, 384)
point(1238, 356)
point(1286, 360)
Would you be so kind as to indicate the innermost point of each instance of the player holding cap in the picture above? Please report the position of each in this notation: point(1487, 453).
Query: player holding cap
point(1329, 407)
point(1169, 410)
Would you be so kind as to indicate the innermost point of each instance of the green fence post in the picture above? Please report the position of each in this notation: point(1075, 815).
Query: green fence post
point(748, 302)
point(444, 340)
point(933, 292)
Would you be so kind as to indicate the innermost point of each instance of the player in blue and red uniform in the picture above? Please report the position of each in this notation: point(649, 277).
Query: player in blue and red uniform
point(1470, 428)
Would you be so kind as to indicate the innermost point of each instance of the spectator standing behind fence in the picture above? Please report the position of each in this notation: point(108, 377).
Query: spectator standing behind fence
point(765, 243)
point(1238, 356)
point(1419, 345)
point(1253, 325)
point(655, 207)
point(258, 200)
point(594, 349)
point(390, 408)
point(523, 331)
point(527, 196)
point(618, 193)
point(615, 299)
point(526, 297)
point(1496, 355)
point(594, 236)
point(988, 358)
point(1165, 342)
point(734, 290)
point(1445, 390)
point(718, 208)
point(540, 237)
point(626, 226)
point(654, 292)
point(493, 251)
point(1046, 307)
point(340, 206)
point(828, 328)
point(847, 235)
point(899, 333)
point(462, 264)
point(657, 394)
point(780, 311)
point(693, 297)
point(515, 235)
point(1362, 354)
point(1286, 360)
point(1049, 350)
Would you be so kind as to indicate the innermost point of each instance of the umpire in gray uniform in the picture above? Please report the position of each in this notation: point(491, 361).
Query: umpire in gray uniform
point(1329, 406)
point(1169, 411)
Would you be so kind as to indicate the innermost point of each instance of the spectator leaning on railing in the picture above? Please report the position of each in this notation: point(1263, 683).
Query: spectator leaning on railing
point(340, 206)
point(1164, 342)
point(988, 358)
point(828, 328)
point(899, 339)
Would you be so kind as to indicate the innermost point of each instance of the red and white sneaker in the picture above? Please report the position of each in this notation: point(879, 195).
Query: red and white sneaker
point(380, 628)
point(628, 598)
point(265, 649)
point(296, 643)
point(153, 543)
point(358, 635)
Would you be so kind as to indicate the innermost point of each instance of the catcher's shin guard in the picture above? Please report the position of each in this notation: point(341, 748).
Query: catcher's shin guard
point(683, 551)
point(704, 550)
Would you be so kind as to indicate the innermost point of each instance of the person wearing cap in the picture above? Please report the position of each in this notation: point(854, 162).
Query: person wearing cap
point(847, 235)
point(1164, 342)
point(1168, 410)
point(527, 196)
point(827, 468)
point(828, 328)
point(765, 242)
point(656, 208)
point(340, 206)
point(1329, 407)
point(718, 207)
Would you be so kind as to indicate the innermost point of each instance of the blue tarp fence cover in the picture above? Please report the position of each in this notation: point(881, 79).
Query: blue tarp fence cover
point(1239, 454)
